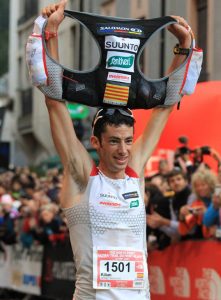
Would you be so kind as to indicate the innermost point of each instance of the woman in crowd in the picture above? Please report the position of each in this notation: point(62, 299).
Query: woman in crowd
point(191, 215)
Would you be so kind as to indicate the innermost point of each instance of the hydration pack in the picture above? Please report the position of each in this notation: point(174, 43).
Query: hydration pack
point(117, 79)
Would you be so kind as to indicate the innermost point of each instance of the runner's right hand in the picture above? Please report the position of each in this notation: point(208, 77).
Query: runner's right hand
point(55, 14)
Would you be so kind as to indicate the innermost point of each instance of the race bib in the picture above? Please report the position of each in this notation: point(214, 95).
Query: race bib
point(119, 268)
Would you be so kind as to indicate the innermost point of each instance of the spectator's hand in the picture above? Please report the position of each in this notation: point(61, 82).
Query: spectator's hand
point(32, 223)
point(182, 164)
point(184, 211)
point(55, 14)
point(155, 220)
point(212, 230)
point(216, 201)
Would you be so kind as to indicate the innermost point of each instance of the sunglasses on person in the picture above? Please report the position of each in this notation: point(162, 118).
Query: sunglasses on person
point(110, 111)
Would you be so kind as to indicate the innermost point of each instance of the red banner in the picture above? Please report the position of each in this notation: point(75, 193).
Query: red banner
point(188, 270)
point(198, 119)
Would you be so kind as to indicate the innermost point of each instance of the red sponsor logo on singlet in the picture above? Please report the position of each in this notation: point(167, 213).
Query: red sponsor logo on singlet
point(114, 204)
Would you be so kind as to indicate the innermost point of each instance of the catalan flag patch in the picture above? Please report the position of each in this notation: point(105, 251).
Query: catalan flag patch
point(116, 94)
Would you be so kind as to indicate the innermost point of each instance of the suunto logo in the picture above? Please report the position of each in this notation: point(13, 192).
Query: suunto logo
point(119, 43)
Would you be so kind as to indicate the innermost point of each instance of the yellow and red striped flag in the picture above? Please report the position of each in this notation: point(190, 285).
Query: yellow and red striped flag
point(116, 94)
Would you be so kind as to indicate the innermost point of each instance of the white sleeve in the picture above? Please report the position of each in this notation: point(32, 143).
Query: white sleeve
point(171, 230)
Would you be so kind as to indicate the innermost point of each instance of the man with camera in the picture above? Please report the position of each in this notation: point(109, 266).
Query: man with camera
point(190, 160)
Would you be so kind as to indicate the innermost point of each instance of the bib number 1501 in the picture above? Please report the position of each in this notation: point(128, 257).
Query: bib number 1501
point(116, 266)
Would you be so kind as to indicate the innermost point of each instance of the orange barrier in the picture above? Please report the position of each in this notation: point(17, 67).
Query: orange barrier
point(187, 270)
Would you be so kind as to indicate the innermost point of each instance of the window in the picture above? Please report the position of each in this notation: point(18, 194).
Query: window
point(108, 8)
point(139, 9)
point(202, 13)
point(30, 8)
point(26, 101)
point(76, 45)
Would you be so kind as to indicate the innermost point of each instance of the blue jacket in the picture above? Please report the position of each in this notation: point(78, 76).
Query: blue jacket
point(211, 216)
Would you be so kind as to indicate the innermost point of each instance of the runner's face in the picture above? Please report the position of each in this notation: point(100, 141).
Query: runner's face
point(115, 148)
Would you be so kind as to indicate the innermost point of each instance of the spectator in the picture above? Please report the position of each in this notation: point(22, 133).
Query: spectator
point(199, 153)
point(219, 174)
point(160, 181)
point(169, 225)
point(157, 203)
point(182, 157)
point(27, 221)
point(212, 217)
point(7, 231)
point(2, 190)
point(49, 224)
point(191, 215)
point(16, 187)
point(164, 167)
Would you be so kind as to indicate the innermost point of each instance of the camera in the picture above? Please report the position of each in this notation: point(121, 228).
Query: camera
point(218, 233)
point(183, 140)
point(197, 153)
point(184, 149)
point(194, 210)
point(218, 190)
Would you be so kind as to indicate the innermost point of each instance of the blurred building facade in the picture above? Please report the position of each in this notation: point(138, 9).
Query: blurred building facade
point(32, 141)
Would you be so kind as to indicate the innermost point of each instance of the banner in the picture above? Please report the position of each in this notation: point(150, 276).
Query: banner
point(187, 270)
point(5, 263)
point(58, 279)
point(196, 112)
point(26, 269)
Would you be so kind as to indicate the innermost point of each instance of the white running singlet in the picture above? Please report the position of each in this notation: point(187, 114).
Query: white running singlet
point(108, 237)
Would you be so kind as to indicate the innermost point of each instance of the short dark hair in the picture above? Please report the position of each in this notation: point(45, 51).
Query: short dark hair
point(176, 172)
point(117, 118)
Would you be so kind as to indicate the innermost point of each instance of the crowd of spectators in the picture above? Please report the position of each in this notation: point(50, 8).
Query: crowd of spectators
point(182, 202)
point(29, 207)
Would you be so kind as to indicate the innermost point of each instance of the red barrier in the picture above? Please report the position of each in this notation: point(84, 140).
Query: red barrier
point(188, 270)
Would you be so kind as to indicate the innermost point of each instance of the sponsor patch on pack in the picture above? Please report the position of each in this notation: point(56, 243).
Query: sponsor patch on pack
point(130, 195)
point(119, 29)
point(120, 61)
point(116, 94)
point(119, 77)
point(119, 43)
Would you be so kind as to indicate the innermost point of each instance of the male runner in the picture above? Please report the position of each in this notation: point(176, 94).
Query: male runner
point(104, 205)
